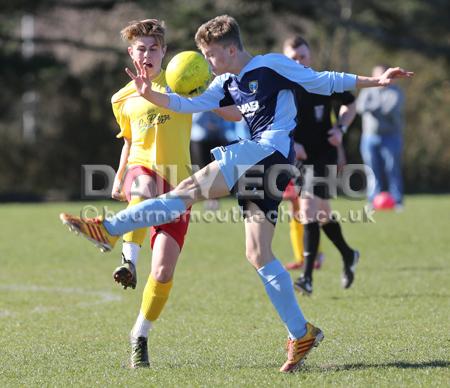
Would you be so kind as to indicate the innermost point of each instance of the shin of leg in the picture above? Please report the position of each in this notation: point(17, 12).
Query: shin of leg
point(311, 240)
point(296, 235)
point(154, 298)
point(159, 284)
point(278, 285)
point(258, 237)
point(296, 231)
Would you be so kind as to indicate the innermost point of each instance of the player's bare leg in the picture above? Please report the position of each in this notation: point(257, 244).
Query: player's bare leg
point(258, 237)
point(303, 336)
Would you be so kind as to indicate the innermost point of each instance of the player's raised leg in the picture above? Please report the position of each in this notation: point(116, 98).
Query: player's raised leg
point(204, 184)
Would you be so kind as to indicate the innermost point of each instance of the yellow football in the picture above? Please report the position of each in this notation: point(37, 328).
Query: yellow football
point(188, 73)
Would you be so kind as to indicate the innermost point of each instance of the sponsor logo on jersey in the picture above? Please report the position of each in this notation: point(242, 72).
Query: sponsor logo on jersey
point(253, 86)
point(151, 120)
point(249, 107)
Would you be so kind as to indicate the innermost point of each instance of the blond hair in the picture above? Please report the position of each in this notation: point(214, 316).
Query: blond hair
point(147, 27)
point(223, 30)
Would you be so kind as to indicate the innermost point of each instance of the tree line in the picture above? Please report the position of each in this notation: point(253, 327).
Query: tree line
point(71, 109)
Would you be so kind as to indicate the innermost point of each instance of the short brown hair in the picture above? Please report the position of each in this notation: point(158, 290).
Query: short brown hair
point(222, 29)
point(147, 27)
point(295, 41)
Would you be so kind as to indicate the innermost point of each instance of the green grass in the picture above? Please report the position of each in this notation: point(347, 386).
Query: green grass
point(64, 322)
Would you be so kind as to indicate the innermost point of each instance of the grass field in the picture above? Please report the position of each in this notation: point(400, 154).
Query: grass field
point(63, 321)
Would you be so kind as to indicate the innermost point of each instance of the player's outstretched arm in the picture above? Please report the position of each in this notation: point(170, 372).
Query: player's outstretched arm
point(208, 100)
point(144, 86)
point(385, 79)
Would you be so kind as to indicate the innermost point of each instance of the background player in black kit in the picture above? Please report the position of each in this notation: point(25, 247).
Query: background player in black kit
point(320, 140)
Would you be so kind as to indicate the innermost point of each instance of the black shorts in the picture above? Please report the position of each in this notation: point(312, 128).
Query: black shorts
point(264, 184)
point(319, 162)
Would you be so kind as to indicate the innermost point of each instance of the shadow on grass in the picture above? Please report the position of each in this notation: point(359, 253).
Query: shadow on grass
point(420, 269)
point(394, 364)
point(307, 368)
point(394, 296)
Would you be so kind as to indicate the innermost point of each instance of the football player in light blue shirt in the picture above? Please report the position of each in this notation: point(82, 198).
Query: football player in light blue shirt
point(262, 88)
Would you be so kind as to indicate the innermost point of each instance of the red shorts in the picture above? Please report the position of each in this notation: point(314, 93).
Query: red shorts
point(292, 191)
point(176, 229)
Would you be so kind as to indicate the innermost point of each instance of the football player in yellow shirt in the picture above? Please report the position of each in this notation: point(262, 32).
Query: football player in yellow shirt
point(155, 158)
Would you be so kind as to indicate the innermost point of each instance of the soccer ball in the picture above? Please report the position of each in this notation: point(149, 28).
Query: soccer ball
point(188, 74)
point(384, 201)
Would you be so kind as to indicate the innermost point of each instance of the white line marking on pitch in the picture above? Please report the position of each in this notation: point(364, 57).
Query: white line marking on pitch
point(101, 297)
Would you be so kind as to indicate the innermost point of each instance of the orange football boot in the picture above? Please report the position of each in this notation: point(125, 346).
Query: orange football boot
point(298, 349)
point(92, 229)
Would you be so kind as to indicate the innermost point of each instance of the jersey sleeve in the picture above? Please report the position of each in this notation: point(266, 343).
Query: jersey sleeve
point(318, 82)
point(212, 98)
point(122, 119)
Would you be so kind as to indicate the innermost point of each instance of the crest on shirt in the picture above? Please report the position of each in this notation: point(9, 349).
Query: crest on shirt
point(253, 86)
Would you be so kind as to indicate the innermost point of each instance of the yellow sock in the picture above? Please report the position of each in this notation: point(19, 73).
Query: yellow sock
point(296, 233)
point(154, 298)
point(136, 236)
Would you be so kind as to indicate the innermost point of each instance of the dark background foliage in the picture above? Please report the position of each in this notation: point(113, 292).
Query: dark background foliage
point(78, 64)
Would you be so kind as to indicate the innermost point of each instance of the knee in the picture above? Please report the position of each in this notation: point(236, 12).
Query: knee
point(187, 188)
point(185, 184)
point(252, 254)
point(162, 274)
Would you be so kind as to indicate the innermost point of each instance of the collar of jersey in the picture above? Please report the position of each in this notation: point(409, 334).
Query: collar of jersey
point(248, 67)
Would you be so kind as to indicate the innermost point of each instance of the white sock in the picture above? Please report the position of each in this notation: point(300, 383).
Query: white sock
point(141, 327)
point(131, 251)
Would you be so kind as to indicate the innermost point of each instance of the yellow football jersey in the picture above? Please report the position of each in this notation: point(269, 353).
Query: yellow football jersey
point(159, 137)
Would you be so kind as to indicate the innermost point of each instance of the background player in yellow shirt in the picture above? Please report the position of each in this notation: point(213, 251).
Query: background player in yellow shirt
point(154, 159)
